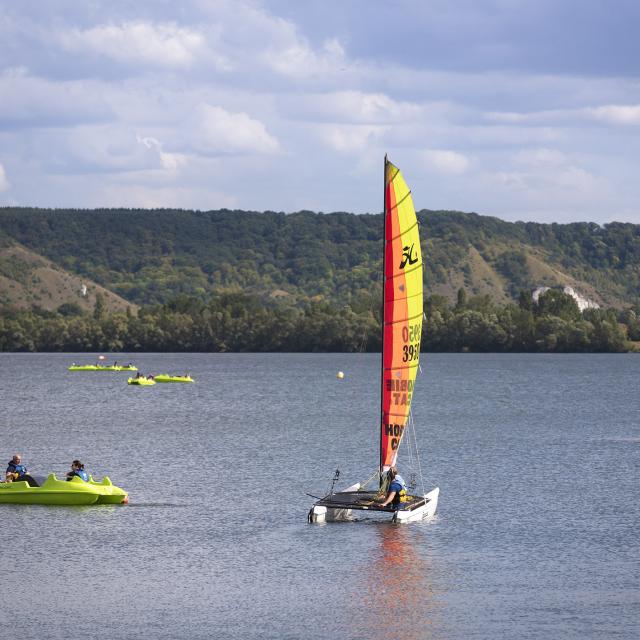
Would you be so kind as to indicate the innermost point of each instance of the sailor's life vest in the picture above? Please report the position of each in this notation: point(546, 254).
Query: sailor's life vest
point(18, 470)
point(400, 487)
point(82, 474)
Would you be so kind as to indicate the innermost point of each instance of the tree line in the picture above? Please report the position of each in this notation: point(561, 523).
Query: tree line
point(239, 322)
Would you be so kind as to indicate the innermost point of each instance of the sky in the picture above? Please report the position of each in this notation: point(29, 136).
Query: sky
point(521, 109)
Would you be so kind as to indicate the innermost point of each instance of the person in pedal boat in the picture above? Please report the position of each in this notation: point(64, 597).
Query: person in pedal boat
point(17, 472)
point(397, 488)
point(77, 469)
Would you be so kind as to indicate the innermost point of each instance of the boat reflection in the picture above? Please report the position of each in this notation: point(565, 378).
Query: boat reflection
point(398, 598)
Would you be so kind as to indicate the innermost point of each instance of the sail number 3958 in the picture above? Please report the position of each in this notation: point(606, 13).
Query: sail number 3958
point(410, 352)
point(411, 335)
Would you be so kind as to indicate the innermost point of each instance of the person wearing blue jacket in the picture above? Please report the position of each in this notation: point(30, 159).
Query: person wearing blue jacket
point(17, 472)
point(77, 469)
point(397, 489)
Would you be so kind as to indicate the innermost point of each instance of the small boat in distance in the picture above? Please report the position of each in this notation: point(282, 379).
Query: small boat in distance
point(102, 367)
point(165, 377)
point(142, 381)
point(402, 314)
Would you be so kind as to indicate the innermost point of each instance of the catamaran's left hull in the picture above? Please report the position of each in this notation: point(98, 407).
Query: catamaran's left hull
point(321, 513)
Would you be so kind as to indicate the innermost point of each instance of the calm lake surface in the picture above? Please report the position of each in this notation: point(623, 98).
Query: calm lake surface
point(536, 536)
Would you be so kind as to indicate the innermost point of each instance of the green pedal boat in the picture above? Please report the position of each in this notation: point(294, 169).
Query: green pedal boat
point(165, 377)
point(63, 492)
point(97, 367)
point(142, 381)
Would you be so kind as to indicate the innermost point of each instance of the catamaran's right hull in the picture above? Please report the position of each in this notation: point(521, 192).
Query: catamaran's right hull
point(403, 516)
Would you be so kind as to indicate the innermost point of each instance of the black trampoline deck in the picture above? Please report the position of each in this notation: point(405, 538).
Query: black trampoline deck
point(363, 500)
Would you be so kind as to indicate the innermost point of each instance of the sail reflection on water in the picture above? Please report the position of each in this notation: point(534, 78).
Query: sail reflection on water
point(397, 598)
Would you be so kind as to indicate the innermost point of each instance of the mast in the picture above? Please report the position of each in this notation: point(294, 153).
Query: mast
point(384, 277)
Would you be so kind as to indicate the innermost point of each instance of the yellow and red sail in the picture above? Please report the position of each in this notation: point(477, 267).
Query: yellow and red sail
point(402, 311)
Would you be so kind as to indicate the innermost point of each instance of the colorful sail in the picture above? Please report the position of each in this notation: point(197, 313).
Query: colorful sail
point(402, 311)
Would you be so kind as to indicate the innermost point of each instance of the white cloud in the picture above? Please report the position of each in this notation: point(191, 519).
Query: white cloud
point(546, 184)
point(616, 114)
point(351, 106)
point(548, 175)
point(131, 42)
point(4, 182)
point(509, 117)
point(542, 157)
point(102, 149)
point(220, 131)
point(351, 138)
point(169, 161)
point(159, 196)
point(546, 117)
point(445, 161)
point(290, 54)
point(28, 101)
point(263, 45)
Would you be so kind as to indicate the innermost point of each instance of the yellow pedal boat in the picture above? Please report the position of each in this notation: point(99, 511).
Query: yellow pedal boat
point(98, 367)
point(141, 381)
point(62, 492)
point(165, 377)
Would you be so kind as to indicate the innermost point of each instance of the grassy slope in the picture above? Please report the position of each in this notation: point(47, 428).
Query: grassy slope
point(27, 279)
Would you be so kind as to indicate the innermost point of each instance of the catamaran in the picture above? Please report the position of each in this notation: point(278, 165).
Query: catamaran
point(402, 315)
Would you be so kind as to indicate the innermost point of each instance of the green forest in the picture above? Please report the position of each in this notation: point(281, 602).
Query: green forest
point(152, 256)
point(248, 281)
point(236, 322)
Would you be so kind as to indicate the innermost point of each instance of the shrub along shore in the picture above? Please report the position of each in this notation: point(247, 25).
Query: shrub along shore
point(236, 322)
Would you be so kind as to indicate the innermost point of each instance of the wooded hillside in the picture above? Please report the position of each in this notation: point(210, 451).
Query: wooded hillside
point(244, 281)
point(150, 257)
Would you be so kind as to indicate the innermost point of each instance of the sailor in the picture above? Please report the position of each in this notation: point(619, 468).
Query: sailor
point(17, 472)
point(77, 469)
point(397, 488)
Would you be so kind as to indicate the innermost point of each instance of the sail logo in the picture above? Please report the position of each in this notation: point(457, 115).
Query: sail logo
point(394, 431)
point(408, 257)
point(399, 385)
point(400, 391)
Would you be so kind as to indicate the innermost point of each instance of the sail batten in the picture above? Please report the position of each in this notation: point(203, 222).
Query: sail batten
point(400, 367)
point(402, 312)
point(398, 203)
point(405, 319)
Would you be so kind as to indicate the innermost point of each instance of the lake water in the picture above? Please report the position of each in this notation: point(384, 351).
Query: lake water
point(536, 536)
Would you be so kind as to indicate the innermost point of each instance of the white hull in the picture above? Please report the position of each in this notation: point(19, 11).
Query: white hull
point(321, 513)
point(427, 511)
